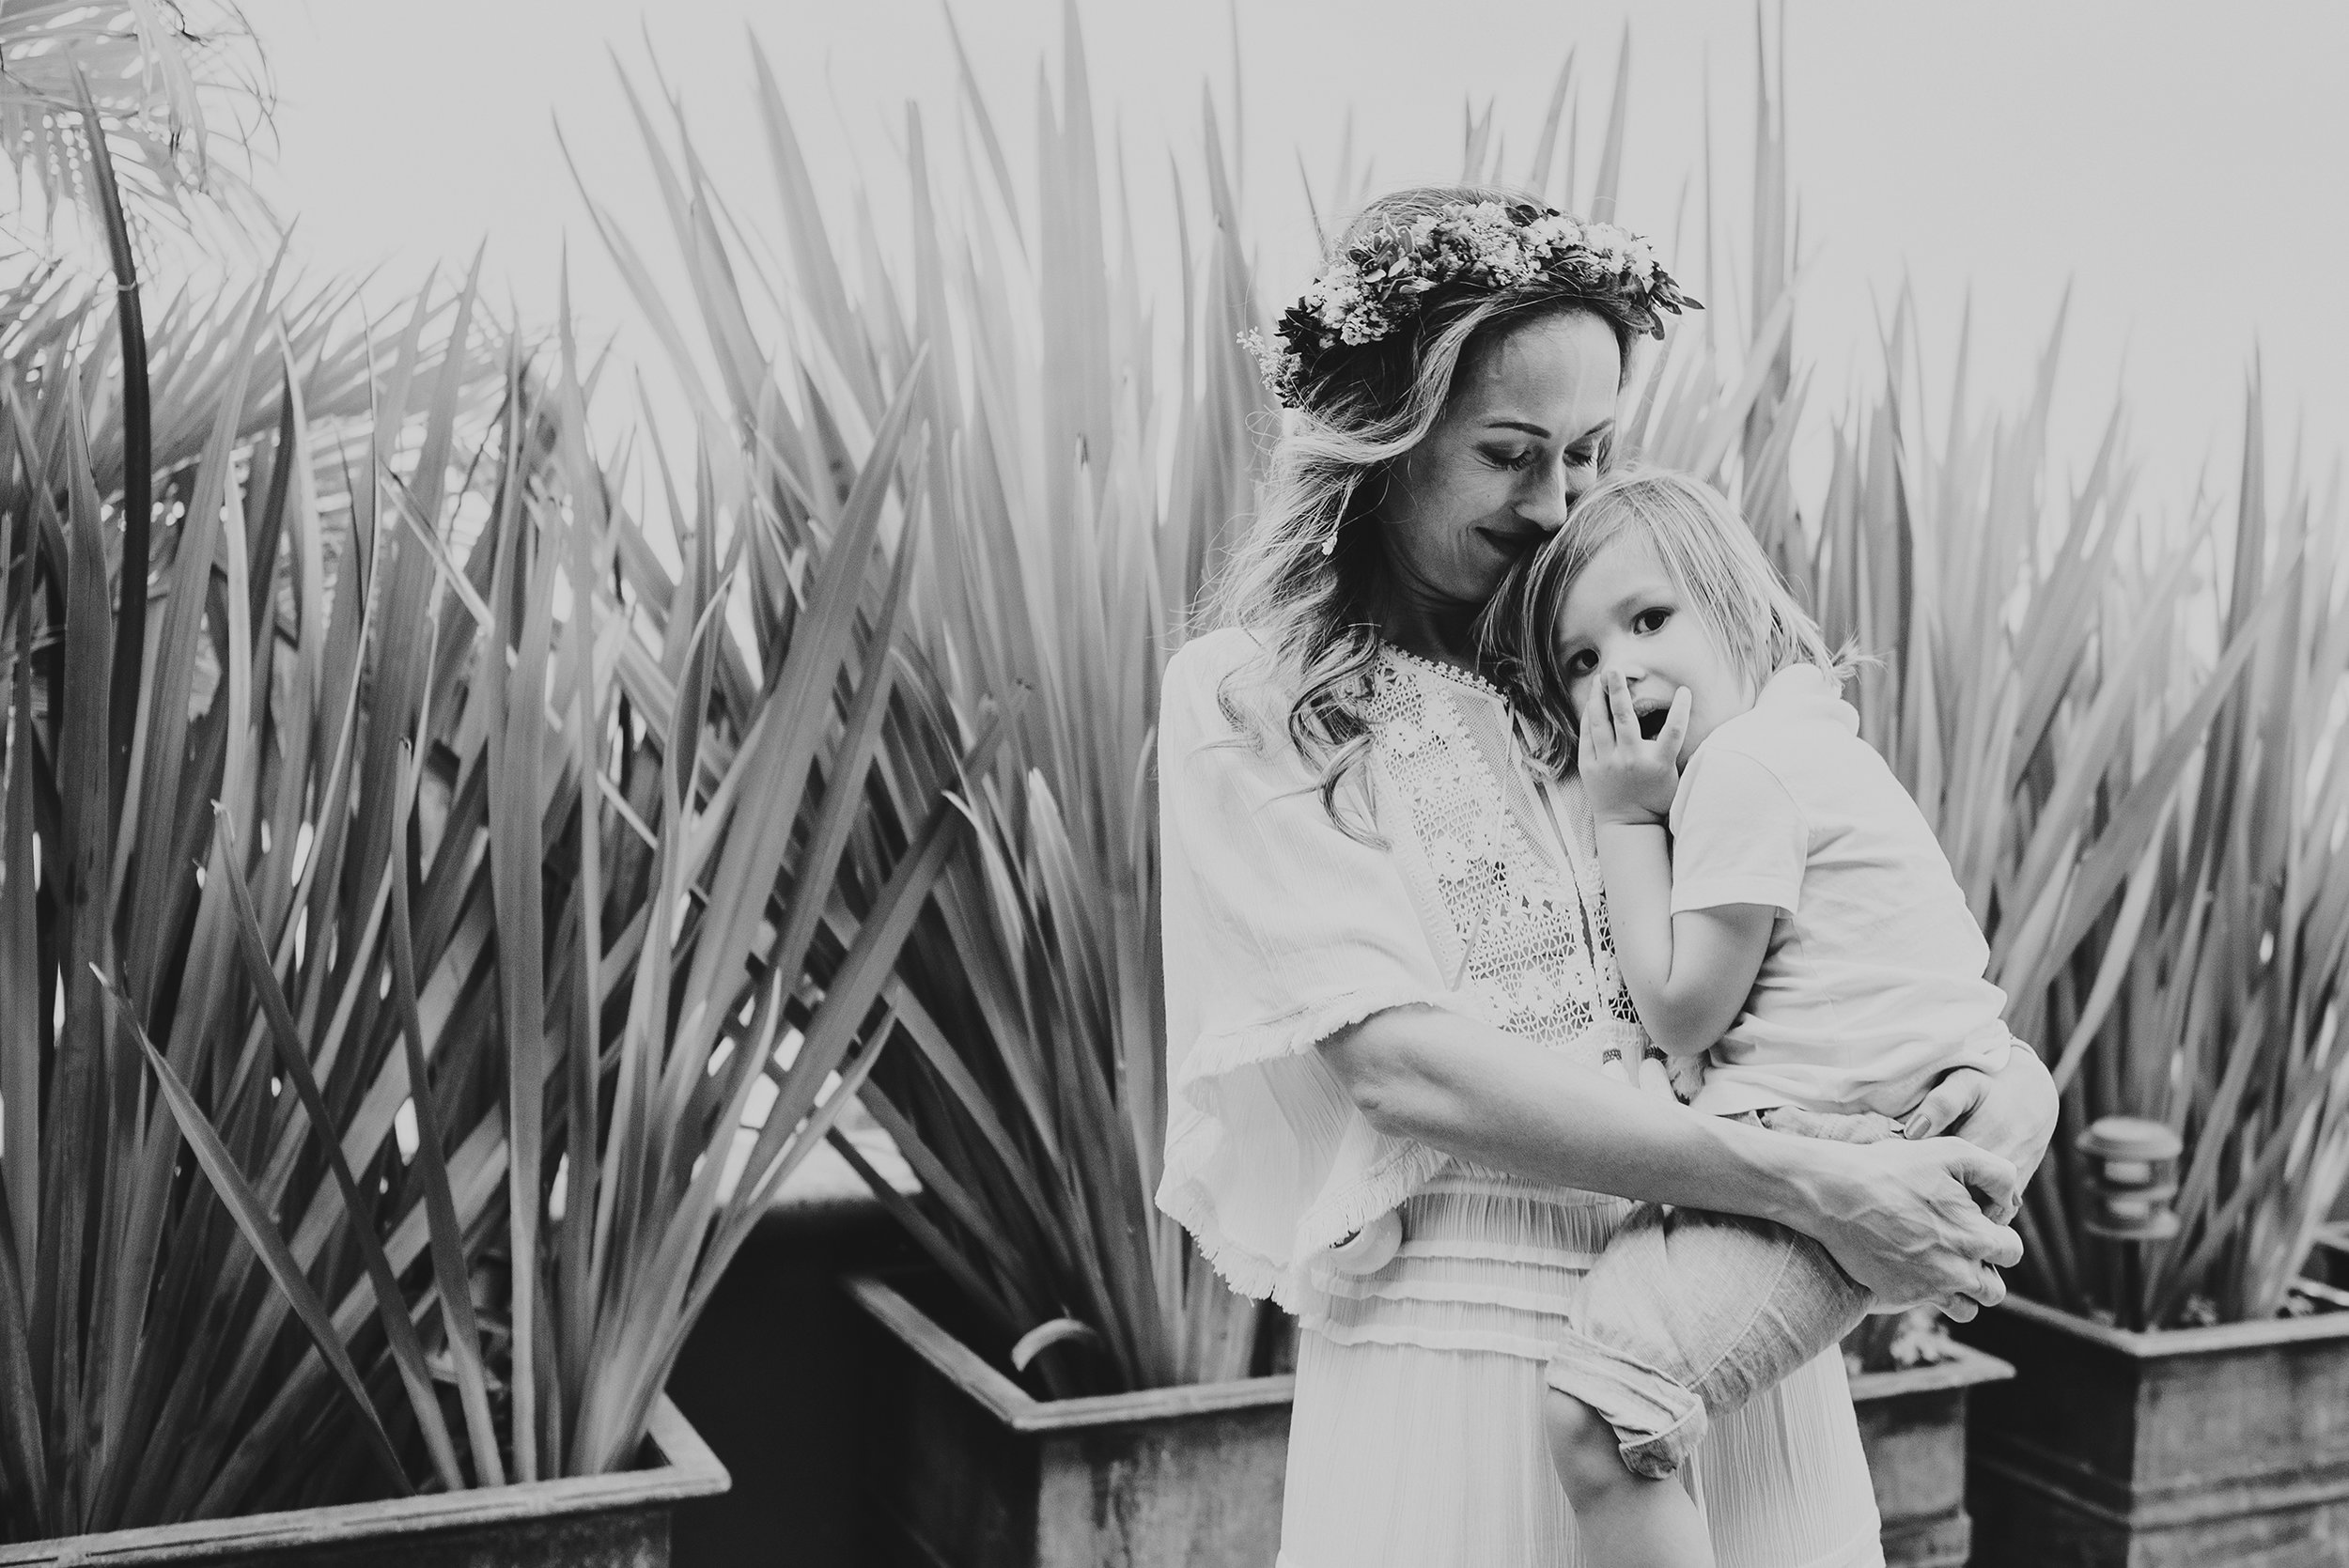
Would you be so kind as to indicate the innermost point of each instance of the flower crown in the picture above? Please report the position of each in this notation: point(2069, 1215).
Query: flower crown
point(1382, 280)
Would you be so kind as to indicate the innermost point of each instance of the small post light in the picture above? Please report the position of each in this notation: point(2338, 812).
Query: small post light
point(2132, 1176)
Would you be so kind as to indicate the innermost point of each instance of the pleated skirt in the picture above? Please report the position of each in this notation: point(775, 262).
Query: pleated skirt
point(1417, 1437)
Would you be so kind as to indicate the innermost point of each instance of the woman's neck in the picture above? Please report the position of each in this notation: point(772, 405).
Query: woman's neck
point(1442, 629)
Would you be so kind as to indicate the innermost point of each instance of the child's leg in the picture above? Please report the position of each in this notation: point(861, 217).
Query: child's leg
point(1686, 1315)
point(1625, 1519)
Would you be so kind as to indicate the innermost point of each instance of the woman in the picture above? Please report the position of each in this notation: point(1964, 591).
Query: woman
point(1404, 1069)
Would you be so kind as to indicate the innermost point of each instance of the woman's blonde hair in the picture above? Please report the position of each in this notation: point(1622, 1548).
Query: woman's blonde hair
point(1308, 577)
point(1710, 554)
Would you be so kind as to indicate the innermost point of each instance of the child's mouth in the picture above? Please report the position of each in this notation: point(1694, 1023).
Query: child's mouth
point(1652, 723)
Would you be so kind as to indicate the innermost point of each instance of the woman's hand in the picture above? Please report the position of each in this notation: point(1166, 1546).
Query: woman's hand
point(2010, 1114)
point(1908, 1221)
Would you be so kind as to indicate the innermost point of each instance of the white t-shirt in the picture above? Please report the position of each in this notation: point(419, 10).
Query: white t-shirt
point(1871, 987)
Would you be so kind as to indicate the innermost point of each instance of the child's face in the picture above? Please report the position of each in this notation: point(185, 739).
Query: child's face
point(1627, 614)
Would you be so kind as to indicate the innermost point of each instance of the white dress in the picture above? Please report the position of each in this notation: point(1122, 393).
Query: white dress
point(1417, 1438)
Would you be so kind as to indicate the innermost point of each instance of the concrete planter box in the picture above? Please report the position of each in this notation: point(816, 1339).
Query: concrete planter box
point(610, 1521)
point(974, 1473)
point(2182, 1448)
point(1913, 1426)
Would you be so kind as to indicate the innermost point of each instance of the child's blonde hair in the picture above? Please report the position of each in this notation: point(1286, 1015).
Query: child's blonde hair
point(1711, 556)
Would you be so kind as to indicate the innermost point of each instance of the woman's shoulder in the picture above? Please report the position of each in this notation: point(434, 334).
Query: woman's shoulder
point(1216, 679)
point(1212, 656)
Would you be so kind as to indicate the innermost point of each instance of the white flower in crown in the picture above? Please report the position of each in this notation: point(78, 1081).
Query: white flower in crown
point(1639, 260)
point(1336, 295)
point(1276, 367)
point(1553, 234)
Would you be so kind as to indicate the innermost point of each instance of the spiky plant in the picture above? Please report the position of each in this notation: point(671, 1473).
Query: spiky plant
point(396, 928)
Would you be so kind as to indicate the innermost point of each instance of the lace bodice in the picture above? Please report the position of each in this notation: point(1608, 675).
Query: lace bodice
point(1504, 868)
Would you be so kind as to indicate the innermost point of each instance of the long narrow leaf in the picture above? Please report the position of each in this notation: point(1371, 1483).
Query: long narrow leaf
point(260, 1234)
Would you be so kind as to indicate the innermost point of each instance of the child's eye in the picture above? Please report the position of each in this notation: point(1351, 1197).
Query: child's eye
point(1581, 665)
point(1651, 620)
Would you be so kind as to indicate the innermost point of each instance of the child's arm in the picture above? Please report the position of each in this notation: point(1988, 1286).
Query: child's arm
point(1689, 973)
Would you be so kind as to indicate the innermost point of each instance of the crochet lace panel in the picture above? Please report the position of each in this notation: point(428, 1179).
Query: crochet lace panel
point(1533, 964)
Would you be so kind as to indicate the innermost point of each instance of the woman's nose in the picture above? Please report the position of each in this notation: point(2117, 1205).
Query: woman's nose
point(1545, 501)
point(1554, 491)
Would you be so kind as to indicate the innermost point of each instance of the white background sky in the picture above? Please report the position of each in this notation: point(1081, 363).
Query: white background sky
point(2185, 166)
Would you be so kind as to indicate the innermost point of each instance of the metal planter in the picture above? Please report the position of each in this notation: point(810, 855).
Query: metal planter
point(608, 1521)
point(2171, 1449)
point(1913, 1426)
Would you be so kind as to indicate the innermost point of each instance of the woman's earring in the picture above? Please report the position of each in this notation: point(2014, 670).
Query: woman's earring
point(1329, 541)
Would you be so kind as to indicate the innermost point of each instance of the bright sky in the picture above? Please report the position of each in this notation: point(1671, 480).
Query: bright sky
point(2184, 167)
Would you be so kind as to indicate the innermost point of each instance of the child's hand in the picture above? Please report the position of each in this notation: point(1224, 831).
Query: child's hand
point(1630, 779)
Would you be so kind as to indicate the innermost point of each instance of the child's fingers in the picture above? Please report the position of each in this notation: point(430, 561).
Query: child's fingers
point(1619, 706)
point(1676, 728)
point(1599, 724)
point(1946, 1104)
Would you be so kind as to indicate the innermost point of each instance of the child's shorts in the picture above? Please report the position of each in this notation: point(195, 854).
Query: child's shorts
point(1689, 1314)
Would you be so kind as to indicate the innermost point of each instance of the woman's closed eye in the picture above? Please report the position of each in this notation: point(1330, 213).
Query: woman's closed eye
point(1519, 458)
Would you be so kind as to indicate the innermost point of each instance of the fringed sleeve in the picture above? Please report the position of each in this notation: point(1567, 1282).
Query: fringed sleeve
point(1279, 930)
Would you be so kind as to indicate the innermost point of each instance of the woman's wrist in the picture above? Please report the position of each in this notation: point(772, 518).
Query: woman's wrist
point(1799, 1182)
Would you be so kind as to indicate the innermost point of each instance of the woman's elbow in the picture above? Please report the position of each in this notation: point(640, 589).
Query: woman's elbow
point(1375, 1062)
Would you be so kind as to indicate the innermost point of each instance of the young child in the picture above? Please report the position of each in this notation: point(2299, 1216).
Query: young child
point(1781, 912)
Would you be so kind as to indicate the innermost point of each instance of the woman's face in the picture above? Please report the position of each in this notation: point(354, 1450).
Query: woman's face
point(1517, 445)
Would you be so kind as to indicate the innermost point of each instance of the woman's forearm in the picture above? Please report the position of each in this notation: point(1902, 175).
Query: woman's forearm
point(1469, 1089)
point(1905, 1220)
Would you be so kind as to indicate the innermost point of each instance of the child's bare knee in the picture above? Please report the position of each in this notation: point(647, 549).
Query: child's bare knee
point(1584, 1448)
